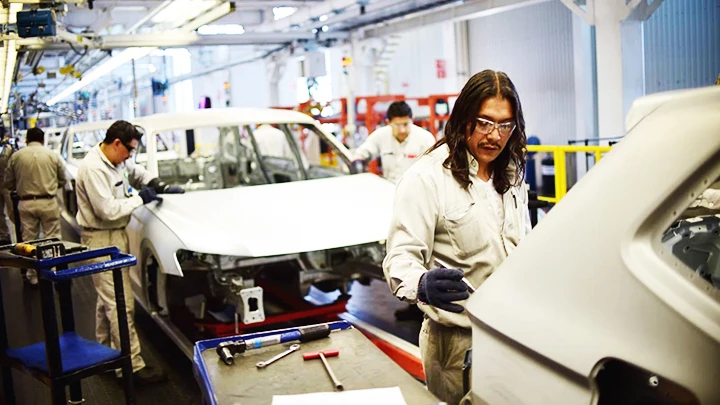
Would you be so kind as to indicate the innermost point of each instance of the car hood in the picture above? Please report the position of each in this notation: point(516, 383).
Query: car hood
point(277, 219)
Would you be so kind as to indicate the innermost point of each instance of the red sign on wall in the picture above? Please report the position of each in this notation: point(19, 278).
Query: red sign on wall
point(440, 68)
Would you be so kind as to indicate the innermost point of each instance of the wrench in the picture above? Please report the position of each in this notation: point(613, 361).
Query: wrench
point(264, 364)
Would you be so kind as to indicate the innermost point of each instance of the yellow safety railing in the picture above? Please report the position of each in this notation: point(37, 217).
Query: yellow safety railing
point(559, 154)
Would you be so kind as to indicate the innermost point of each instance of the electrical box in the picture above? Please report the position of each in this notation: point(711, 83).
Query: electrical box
point(36, 23)
point(314, 65)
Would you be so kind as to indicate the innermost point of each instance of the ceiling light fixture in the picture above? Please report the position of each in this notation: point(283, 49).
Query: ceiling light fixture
point(180, 11)
point(283, 12)
point(9, 72)
point(325, 28)
point(136, 53)
point(9, 57)
point(221, 29)
point(323, 18)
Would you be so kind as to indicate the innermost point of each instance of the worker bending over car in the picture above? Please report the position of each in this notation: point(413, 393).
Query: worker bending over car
point(459, 211)
point(106, 198)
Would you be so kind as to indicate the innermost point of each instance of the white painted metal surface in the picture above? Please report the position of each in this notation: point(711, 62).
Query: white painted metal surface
point(277, 219)
point(592, 281)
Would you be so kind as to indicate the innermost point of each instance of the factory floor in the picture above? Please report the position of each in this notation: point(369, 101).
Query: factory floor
point(372, 303)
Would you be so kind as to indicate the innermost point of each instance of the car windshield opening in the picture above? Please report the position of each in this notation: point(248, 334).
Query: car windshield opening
point(217, 157)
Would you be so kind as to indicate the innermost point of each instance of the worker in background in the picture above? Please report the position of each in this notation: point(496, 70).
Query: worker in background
point(459, 211)
point(5, 154)
point(36, 173)
point(397, 144)
point(105, 202)
point(272, 142)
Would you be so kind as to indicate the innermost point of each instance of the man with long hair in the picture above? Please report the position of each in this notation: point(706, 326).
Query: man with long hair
point(459, 211)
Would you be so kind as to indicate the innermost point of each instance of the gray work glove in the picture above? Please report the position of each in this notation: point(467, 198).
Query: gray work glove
point(174, 190)
point(148, 195)
point(439, 287)
point(163, 188)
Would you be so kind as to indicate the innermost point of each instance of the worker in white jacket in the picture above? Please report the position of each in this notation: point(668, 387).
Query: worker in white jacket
point(397, 144)
point(105, 202)
point(459, 211)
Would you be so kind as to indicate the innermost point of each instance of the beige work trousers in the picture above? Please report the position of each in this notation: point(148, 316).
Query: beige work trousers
point(442, 349)
point(107, 331)
point(39, 213)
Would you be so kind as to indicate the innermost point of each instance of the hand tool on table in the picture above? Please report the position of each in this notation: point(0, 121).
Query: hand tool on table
point(227, 350)
point(322, 356)
point(442, 264)
point(263, 364)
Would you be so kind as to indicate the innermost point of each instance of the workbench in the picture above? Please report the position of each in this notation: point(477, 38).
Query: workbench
point(360, 365)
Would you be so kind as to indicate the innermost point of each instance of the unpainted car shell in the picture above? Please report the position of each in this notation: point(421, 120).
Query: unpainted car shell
point(254, 221)
point(592, 286)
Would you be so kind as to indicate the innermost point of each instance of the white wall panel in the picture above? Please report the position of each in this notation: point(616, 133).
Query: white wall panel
point(413, 69)
point(248, 86)
point(534, 46)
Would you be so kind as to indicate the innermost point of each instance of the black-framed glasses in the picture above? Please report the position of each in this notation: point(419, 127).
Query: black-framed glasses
point(130, 149)
point(485, 127)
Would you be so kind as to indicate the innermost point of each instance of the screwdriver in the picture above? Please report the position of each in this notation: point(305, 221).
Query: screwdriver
point(442, 264)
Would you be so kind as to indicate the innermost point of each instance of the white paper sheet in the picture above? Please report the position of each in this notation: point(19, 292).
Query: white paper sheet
point(384, 396)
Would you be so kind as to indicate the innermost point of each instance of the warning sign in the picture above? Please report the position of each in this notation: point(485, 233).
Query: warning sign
point(440, 68)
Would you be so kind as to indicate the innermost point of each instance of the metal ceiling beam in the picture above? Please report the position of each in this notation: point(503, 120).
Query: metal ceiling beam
point(176, 40)
point(451, 13)
point(305, 15)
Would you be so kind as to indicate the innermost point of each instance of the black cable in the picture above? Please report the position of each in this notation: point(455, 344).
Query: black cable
point(75, 50)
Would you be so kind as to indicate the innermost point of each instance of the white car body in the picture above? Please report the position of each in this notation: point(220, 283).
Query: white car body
point(248, 224)
point(596, 306)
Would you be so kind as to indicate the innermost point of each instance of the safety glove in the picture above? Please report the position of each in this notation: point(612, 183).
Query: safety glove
point(174, 190)
point(148, 195)
point(439, 287)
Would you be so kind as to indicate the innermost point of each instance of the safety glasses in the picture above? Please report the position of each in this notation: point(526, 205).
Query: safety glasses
point(485, 127)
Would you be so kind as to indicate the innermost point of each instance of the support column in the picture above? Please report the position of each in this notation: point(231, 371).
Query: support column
point(633, 55)
point(584, 74)
point(275, 70)
point(462, 54)
point(619, 56)
point(609, 68)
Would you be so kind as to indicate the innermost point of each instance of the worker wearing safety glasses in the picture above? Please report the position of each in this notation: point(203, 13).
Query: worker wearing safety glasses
point(397, 144)
point(106, 200)
point(459, 211)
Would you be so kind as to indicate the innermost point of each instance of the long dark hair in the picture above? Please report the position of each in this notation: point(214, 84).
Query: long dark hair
point(508, 168)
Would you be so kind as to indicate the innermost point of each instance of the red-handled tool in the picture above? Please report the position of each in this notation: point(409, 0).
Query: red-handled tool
point(322, 356)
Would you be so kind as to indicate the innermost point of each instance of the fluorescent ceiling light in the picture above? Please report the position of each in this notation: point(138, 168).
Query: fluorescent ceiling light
point(221, 29)
point(199, 19)
point(9, 57)
point(9, 73)
point(283, 12)
point(111, 64)
point(181, 11)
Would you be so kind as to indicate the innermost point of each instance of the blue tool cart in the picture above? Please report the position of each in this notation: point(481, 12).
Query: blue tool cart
point(242, 380)
point(64, 358)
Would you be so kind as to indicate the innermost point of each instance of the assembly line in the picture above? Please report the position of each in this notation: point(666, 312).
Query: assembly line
point(340, 201)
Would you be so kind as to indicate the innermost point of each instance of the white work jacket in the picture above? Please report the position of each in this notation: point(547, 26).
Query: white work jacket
point(433, 217)
point(104, 194)
point(395, 157)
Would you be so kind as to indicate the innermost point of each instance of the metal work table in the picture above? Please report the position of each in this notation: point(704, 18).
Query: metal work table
point(360, 365)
